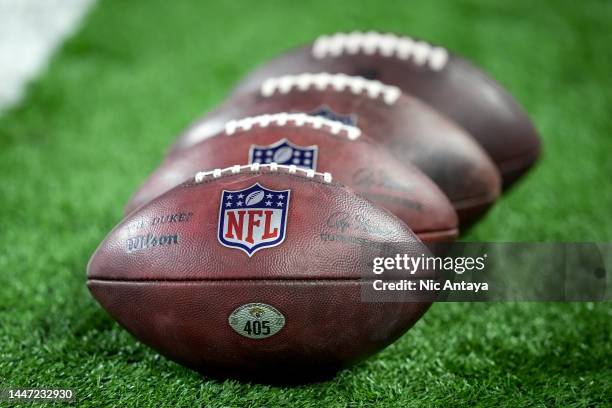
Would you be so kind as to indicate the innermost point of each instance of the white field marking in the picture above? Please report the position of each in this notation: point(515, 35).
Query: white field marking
point(30, 31)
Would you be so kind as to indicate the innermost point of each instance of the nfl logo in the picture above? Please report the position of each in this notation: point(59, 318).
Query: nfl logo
point(285, 152)
point(253, 218)
point(327, 113)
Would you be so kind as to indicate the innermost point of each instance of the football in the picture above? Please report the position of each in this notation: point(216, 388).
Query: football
point(447, 82)
point(255, 271)
point(407, 127)
point(319, 144)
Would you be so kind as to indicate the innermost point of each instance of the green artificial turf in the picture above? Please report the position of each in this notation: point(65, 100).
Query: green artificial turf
point(98, 121)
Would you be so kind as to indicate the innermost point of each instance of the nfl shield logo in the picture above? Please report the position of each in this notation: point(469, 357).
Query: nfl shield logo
point(327, 113)
point(285, 152)
point(253, 218)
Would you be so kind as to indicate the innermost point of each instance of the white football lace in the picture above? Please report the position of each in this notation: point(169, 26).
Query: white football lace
point(386, 45)
point(297, 119)
point(338, 82)
point(237, 169)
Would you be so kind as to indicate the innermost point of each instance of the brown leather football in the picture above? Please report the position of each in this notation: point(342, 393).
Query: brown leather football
point(408, 128)
point(255, 271)
point(447, 82)
point(318, 144)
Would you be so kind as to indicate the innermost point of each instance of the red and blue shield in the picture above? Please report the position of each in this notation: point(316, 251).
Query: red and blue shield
point(285, 152)
point(253, 218)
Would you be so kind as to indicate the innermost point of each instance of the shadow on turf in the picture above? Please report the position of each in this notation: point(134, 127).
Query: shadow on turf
point(268, 377)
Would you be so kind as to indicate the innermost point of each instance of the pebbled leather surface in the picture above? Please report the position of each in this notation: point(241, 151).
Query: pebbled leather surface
point(360, 164)
point(177, 298)
point(327, 325)
point(315, 208)
point(460, 90)
point(409, 129)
